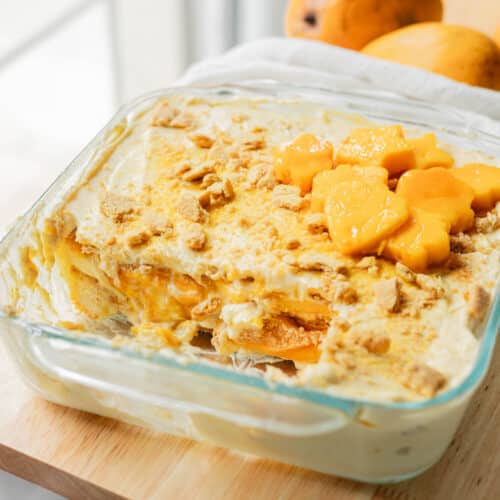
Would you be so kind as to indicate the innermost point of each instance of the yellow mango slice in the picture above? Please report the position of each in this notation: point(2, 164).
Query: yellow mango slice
point(307, 354)
point(297, 162)
point(185, 290)
point(427, 154)
point(438, 191)
point(323, 182)
point(421, 242)
point(484, 181)
point(148, 296)
point(382, 146)
point(360, 215)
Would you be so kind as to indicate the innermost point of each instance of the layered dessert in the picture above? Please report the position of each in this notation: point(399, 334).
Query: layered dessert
point(314, 247)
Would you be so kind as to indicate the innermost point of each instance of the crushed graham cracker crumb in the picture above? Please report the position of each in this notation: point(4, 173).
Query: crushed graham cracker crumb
point(220, 192)
point(195, 237)
point(388, 294)
point(423, 379)
point(477, 305)
point(288, 197)
point(197, 173)
point(118, 207)
point(292, 244)
point(374, 343)
point(254, 145)
point(138, 237)
point(190, 208)
point(405, 273)
point(316, 223)
point(208, 307)
point(209, 179)
point(202, 141)
point(163, 115)
point(461, 243)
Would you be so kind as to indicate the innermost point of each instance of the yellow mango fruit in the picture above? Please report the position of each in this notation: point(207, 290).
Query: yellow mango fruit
point(427, 154)
point(484, 181)
point(457, 52)
point(421, 242)
point(353, 23)
point(438, 191)
point(323, 182)
point(297, 162)
point(360, 215)
point(382, 146)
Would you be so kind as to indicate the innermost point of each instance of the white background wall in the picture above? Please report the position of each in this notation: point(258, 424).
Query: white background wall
point(158, 39)
point(56, 91)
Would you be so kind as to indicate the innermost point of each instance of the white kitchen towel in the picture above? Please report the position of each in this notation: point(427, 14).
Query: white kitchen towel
point(317, 64)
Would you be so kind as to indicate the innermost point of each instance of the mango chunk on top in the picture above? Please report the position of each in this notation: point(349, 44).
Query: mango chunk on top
point(361, 214)
point(421, 242)
point(484, 181)
point(382, 146)
point(324, 181)
point(438, 191)
point(427, 154)
point(297, 162)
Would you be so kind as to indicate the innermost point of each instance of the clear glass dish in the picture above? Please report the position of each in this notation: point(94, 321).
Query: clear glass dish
point(363, 440)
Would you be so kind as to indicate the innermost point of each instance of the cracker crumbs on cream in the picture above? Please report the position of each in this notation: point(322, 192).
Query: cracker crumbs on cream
point(366, 258)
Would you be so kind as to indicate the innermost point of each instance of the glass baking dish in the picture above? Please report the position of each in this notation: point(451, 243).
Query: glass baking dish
point(199, 399)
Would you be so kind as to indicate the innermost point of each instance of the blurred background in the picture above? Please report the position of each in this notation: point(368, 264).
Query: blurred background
point(66, 65)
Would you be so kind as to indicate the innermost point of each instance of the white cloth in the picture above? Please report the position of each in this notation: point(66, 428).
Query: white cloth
point(317, 64)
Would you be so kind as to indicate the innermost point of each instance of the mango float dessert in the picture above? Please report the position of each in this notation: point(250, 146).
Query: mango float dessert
point(277, 236)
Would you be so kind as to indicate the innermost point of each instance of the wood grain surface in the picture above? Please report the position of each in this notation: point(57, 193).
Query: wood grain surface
point(80, 455)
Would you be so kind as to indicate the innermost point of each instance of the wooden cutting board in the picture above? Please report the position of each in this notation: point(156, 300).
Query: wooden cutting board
point(83, 456)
